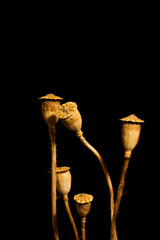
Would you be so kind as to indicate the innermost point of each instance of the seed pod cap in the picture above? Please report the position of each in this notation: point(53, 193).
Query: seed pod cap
point(50, 96)
point(83, 198)
point(132, 118)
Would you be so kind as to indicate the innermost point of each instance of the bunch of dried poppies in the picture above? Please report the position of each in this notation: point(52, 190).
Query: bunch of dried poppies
point(70, 116)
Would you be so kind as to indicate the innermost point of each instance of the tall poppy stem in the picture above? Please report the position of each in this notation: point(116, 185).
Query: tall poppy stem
point(52, 133)
point(118, 198)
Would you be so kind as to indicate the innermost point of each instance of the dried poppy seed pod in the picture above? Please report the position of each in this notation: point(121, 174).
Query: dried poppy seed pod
point(63, 180)
point(49, 106)
point(64, 186)
point(83, 203)
point(70, 116)
point(130, 134)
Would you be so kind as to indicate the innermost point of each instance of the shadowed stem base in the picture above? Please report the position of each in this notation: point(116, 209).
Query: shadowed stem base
point(66, 203)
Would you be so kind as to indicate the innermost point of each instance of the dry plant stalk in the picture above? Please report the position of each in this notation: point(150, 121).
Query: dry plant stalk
point(66, 203)
point(105, 170)
point(130, 134)
point(71, 118)
point(118, 199)
point(83, 227)
point(83, 204)
point(52, 133)
point(63, 187)
point(49, 106)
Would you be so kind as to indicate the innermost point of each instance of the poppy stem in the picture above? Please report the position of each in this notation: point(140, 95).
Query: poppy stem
point(66, 203)
point(118, 198)
point(83, 226)
point(52, 133)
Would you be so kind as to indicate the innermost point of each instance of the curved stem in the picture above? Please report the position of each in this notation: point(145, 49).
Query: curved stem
point(66, 203)
point(52, 133)
point(83, 223)
point(108, 179)
point(118, 198)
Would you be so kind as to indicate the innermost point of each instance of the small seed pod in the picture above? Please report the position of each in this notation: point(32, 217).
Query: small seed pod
point(70, 116)
point(50, 104)
point(130, 134)
point(83, 203)
point(63, 180)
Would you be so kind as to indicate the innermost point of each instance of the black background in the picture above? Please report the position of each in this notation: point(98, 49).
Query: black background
point(107, 64)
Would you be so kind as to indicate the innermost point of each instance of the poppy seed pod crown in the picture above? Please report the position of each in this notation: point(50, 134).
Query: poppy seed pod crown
point(70, 116)
point(130, 134)
point(49, 106)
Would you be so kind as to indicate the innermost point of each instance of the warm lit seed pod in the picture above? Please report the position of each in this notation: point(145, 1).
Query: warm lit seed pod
point(49, 105)
point(70, 116)
point(63, 180)
point(83, 203)
point(130, 134)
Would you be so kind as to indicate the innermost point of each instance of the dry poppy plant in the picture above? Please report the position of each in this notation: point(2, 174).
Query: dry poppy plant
point(83, 204)
point(63, 187)
point(130, 133)
point(49, 106)
point(61, 177)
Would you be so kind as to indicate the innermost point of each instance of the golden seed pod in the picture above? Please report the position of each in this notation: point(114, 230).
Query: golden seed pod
point(130, 133)
point(63, 180)
point(49, 106)
point(83, 203)
point(70, 116)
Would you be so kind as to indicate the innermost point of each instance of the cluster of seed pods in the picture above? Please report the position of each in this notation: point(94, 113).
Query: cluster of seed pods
point(70, 116)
